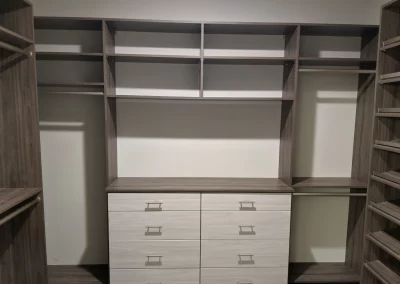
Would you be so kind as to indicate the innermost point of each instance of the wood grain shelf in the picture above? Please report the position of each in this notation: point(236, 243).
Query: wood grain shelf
point(388, 112)
point(387, 209)
point(391, 146)
point(217, 99)
point(328, 182)
point(154, 26)
point(337, 30)
point(345, 62)
point(82, 93)
point(390, 43)
point(390, 78)
point(390, 178)
point(248, 28)
point(154, 58)
point(382, 272)
point(88, 274)
point(71, 56)
point(72, 84)
point(387, 148)
point(386, 242)
point(60, 23)
point(332, 70)
point(13, 38)
point(322, 273)
point(237, 60)
point(129, 184)
point(11, 197)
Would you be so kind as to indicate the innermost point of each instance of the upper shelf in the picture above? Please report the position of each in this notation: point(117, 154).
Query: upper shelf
point(11, 197)
point(73, 56)
point(390, 43)
point(337, 30)
point(351, 62)
point(330, 182)
point(131, 184)
point(13, 42)
point(388, 112)
point(237, 60)
point(154, 26)
point(248, 28)
point(57, 23)
point(391, 146)
point(154, 58)
point(391, 178)
point(202, 99)
point(71, 84)
point(391, 78)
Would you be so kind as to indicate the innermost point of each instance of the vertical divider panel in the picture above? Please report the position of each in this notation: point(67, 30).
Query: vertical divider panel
point(110, 103)
point(361, 151)
point(290, 82)
point(202, 61)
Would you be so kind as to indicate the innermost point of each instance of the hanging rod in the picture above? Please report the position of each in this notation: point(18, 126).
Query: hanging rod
point(19, 211)
point(13, 48)
point(329, 194)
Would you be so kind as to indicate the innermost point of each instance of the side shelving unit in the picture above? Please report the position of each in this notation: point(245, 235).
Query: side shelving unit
point(382, 226)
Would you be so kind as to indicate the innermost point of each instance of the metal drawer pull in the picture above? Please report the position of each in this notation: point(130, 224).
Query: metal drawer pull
point(250, 205)
point(153, 231)
point(156, 208)
point(248, 258)
point(247, 232)
point(156, 262)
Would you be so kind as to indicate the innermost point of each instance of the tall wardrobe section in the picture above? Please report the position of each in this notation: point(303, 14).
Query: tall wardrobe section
point(382, 232)
point(22, 236)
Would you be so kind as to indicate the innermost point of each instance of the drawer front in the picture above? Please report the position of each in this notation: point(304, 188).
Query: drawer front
point(150, 202)
point(154, 276)
point(169, 225)
point(244, 253)
point(246, 225)
point(155, 254)
point(246, 202)
point(275, 275)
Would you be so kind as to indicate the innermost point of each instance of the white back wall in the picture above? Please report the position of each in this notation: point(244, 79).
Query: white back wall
point(186, 136)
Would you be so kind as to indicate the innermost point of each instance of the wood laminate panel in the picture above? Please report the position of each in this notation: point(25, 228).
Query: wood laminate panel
point(10, 197)
point(245, 202)
point(126, 184)
point(386, 242)
point(322, 273)
point(382, 272)
point(89, 274)
point(245, 225)
point(146, 276)
point(330, 182)
point(13, 38)
point(150, 202)
point(244, 253)
point(387, 209)
point(155, 254)
point(275, 275)
point(158, 225)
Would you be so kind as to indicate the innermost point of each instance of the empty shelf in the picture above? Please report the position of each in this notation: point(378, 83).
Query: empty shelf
point(391, 43)
point(72, 84)
point(219, 99)
point(320, 61)
point(387, 209)
point(73, 56)
point(238, 60)
point(388, 112)
point(333, 70)
point(13, 38)
point(128, 184)
point(74, 93)
point(337, 30)
point(153, 58)
point(390, 78)
point(57, 23)
point(11, 197)
point(391, 146)
point(322, 273)
point(390, 178)
point(386, 242)
point(155, 26)
point(248, 28)
point(330, 182)
point(382, 272)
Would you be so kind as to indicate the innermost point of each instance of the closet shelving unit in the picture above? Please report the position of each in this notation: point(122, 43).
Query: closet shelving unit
point(293, 63)
point(382, 248)
point(22, 241)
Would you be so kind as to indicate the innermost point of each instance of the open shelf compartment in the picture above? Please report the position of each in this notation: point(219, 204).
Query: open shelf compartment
point(382, 272)
point(11, 197)
point(322, 273)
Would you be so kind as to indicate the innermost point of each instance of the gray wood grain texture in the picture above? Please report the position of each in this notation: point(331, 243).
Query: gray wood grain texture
point(275, 275)
point(146, 276)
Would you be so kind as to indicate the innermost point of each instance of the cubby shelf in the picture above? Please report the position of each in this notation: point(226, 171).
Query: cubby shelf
point(333, 70)
point(390, 78)
point(391, 43)
point(322, 273)
point(217, 99)
point(390, 178)
point(72, 56)
point(386, 242)
point(391, 146)
point(388, 112)
point(387, 209)
point(327, 182)
point(11, 197)
point(233, 60)
point(72, 84)
point(154, 58)
point(139, 184)
point(382, 272)
point(320, 61)
point(82, 93)
point(13, 42)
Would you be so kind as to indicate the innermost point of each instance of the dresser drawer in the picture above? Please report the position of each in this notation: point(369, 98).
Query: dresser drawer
point(154, 276)
point(169, 225)
point(275, 275)
point(244, 253)
point(246, 202)
point(155, 254)
point(148, 202)
point(245, 225)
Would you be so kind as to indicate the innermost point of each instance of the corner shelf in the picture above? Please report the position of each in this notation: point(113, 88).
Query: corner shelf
point(13, 42)
point(391, 146)
point(388, 112)
point(390, 178)
point(330, 182)
point(390, 43)
point(154, 58)
point(11, 197)
point(138, 184)
point(387, 209)
point(386, 242)
point(382, 272)
point(73, 56)
point(390, 78)
point(322, 273)
point(243, 60)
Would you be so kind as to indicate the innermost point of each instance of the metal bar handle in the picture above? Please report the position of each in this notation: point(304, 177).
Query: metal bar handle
point(148, 228)
point(247, 202)
point(19, 211)
point(245, 254)
point(159, 256)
